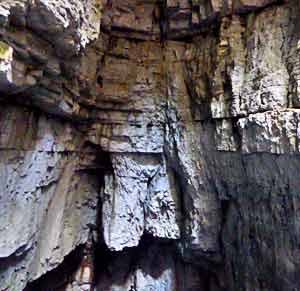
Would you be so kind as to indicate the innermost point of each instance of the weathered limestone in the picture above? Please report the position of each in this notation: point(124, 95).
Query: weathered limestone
point(202, 220)
point(70, 26)
point(47, 207)
point(139, 196)
point(158, 151)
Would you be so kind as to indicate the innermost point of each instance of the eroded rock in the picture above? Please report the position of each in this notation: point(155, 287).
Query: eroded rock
point(158, 151)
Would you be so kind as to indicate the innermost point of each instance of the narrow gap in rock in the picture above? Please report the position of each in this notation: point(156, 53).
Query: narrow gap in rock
point(182, 201)
point(163, 20)
point(100, 81)
point(225, 205)
point(236, 133)
point(58, 279)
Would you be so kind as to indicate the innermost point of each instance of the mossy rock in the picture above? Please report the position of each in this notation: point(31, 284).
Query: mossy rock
point(98, 7)
point(5, 51)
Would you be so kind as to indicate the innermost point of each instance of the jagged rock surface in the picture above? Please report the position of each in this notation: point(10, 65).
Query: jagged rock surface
point(149, 145)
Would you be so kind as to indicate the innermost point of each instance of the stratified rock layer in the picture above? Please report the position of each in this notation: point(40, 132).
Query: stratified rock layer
point(149, 145)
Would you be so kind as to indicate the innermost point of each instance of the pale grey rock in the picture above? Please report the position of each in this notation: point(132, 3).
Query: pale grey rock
point(133, 198)
point(230, 74)
point(270, 85)
point(128, 137)
point(256, 76)
point(225, 136)
point(270, 132)
point(47, 208)
point(159, 154)
point(131, 102)
point(201, 206)
point(162, 204)
point(13, 11)
point(70, 26)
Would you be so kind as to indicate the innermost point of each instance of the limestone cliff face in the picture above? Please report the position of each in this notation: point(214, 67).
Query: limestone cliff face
point(149, 145)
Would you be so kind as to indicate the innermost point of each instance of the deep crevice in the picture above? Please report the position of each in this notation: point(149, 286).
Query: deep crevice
point(58, 278)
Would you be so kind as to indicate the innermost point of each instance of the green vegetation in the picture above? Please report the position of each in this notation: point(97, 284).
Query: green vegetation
point(5, 51)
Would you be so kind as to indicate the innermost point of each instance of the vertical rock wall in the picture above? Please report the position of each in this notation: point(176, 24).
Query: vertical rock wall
point(149, 145)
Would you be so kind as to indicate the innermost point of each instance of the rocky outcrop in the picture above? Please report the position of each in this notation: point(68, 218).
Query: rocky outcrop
point(149, 145)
